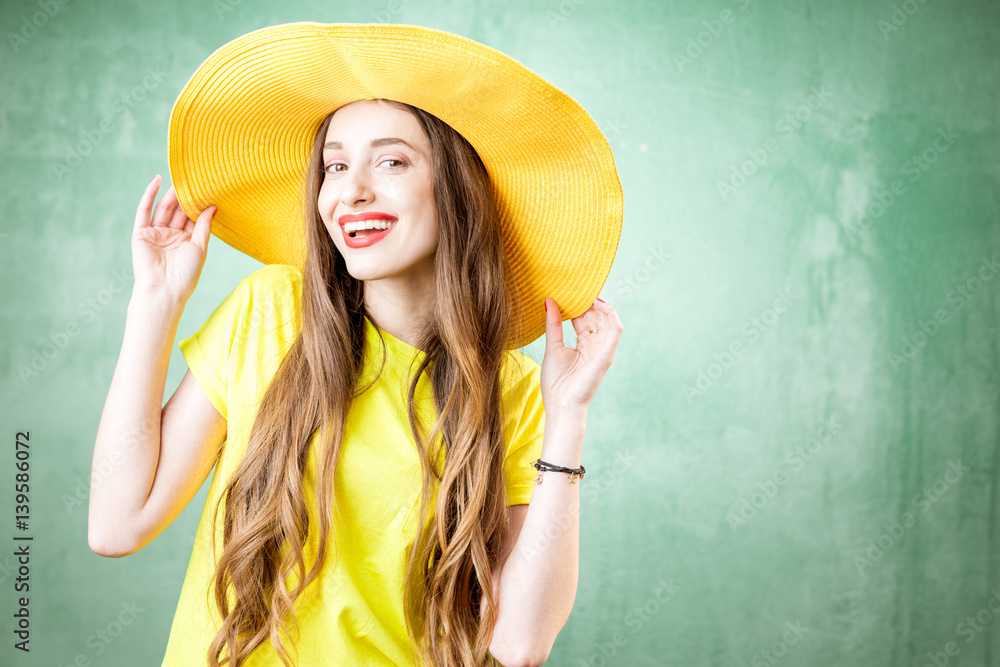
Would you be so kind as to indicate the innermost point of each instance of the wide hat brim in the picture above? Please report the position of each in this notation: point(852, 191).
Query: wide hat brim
point(241, 132)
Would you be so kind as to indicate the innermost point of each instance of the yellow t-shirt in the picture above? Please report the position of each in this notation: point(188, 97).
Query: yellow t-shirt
point(353, 613)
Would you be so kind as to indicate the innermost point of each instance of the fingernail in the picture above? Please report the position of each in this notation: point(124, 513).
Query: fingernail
point(545, 304)
point(601, 300)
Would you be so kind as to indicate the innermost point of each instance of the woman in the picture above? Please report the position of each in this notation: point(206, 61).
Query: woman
point(382, 376)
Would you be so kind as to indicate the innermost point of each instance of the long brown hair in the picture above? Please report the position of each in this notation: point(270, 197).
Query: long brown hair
point(448, 573)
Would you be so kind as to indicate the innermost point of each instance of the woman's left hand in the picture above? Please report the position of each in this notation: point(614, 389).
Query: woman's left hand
point(570, 376)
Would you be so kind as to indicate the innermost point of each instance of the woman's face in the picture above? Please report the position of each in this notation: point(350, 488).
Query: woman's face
point(390, 178)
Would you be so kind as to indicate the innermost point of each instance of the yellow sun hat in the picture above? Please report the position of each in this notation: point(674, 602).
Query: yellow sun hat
point(242, 128)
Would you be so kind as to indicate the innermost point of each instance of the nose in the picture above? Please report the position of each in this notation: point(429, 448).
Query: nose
point(356, 188)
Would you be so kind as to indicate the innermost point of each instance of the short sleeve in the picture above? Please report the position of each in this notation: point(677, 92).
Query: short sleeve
point(207, 351)
point(525, 424)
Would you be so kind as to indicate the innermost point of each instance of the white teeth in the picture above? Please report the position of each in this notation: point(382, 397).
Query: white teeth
point(367, 224)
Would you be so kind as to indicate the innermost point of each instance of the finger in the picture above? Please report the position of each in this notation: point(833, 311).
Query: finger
point(146, 204)
point(592, 318)
point(165, 208)
point(611, 315)
point(609, 312)
point(616, 320)
point(553, 325)
point(179, 218)
point(203, 228)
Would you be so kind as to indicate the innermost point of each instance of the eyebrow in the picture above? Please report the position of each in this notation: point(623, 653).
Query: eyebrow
point(384, 141)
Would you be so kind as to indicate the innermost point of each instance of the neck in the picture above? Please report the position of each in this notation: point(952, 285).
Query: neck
point(401, 305)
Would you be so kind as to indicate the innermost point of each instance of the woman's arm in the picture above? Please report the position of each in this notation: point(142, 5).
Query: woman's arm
point(128, 437)
point(536, 585)
point(168, 252)
point(148, 462)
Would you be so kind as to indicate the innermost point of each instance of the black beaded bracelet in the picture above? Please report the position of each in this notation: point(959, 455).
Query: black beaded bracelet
point(543, 466)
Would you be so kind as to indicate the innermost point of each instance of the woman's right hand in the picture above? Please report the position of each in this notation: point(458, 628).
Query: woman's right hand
point(168, 251)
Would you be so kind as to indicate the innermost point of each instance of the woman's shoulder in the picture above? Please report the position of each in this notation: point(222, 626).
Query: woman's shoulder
point(520, 374)
point(275, 282)
point(275, 277)
point(524, 413)
point(272, 298)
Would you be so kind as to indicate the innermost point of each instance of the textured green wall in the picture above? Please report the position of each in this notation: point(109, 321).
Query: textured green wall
point(794, 458)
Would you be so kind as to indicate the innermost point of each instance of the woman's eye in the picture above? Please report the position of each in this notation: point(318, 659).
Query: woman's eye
point(332, 166)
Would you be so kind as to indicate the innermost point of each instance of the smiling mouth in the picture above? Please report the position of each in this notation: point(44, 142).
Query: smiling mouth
point(380, 226)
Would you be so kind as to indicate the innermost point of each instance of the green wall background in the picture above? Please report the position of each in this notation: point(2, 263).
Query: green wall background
point(794, 457)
